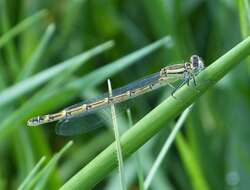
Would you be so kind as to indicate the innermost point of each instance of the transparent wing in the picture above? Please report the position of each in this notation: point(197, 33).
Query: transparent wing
point(96, 118)
point(80, 125)
point(99, 117)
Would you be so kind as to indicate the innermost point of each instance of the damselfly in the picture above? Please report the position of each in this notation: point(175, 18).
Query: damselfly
point(167, 75)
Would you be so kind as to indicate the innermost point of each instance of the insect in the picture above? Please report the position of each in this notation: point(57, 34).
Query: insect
point(167, 75)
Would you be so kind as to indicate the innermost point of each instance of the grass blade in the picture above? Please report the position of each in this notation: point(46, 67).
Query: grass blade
point(190, 163)
point(21, 114)
point(166, 147)
point(244, 9)
point(85, 153)
point(32, 173)
point(21, 27)
point(118, 143)
point(120, 63)
point(244, 14)
point(11, 51)
point(37, 55)
point(29, 84)
point(40, 180)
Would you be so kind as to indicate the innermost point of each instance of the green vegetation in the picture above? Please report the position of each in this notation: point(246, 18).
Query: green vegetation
point(57, 53)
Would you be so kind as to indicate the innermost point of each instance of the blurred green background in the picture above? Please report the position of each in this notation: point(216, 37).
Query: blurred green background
point(37, 36)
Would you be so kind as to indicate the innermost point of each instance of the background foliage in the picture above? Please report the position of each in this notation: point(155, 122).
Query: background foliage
point(47, 62)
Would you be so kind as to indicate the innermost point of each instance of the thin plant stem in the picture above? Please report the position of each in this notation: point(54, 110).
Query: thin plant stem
point(118, 143)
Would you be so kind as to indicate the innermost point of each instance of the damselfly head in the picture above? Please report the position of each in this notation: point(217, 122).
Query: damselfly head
point(197, 63)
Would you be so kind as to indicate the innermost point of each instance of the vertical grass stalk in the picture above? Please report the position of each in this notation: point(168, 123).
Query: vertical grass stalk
point(117, 142)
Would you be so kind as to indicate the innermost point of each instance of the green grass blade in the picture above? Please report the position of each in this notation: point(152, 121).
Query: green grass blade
point(84, 153)
point(244, 14)
point(40, 180)
point(134, 32)
point(27, 85)
point(11, 52)
point(25, 111)
point(160, 181)
point(91, 79)
point(166, 147)
point(244, 9)
point(32, 173)
point(37, 55)
point(118, 143)
point(191, 165)
point(147, 127)
point(21, 27)
point(24, 151)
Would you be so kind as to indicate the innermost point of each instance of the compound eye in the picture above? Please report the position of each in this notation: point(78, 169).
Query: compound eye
point(195, 60)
